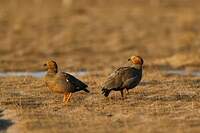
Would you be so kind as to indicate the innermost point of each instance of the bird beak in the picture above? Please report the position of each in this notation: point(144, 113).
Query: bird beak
point(129, 59)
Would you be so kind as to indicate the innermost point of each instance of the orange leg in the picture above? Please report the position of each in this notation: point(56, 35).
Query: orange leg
point(66, 95)
point(68, 98)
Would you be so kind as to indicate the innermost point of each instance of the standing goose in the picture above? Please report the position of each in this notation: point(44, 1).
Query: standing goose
point(61, 82)
point(124, 77)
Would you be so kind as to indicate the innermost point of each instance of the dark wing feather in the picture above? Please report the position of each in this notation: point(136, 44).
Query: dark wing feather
point(131, 78)
point(76, 83)
point(114, 81)
point(131, 82)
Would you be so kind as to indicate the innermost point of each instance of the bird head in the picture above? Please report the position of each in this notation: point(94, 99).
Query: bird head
point(136, 61)
point(51, 65)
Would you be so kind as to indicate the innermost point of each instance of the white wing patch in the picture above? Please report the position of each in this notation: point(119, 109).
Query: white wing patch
point(67, 80)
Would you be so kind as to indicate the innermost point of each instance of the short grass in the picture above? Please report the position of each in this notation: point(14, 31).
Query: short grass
point(159, 104)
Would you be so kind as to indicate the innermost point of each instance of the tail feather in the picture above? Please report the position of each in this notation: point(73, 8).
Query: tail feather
point(86, 90)
point(105, 92)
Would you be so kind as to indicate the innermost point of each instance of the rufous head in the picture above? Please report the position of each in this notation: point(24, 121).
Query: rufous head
point(51, 65)
point(136, 60)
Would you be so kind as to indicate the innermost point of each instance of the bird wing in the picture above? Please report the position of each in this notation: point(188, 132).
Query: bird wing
point(130, 82)
point(76, 82)
point(131, 78)
point(115, 79)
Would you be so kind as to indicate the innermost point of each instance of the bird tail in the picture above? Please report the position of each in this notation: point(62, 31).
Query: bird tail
point(86, 90)
point(105, 92)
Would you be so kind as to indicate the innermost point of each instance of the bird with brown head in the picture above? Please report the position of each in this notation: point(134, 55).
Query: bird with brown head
point(124, 77)
point(61, 82)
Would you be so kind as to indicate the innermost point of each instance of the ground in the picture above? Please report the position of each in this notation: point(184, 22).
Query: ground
point(98, 36)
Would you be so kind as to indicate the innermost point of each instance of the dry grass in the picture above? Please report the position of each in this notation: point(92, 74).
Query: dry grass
point(96, 32)
point(160, 104)
point(87, 34)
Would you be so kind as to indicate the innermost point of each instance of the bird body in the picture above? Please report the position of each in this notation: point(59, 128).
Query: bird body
point(57, 82)
point(124, 78)
point(61, 82)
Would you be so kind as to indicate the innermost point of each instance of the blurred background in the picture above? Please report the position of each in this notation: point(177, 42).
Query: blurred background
point(98, 34)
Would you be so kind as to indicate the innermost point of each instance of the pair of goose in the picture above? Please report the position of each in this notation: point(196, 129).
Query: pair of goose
point(122, 78)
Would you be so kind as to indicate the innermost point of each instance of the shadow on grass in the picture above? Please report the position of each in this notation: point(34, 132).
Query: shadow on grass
point(4, 124)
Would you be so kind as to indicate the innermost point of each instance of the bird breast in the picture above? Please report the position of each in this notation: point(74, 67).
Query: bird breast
point(55, 85)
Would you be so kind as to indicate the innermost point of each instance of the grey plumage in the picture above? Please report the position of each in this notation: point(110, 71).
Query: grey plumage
point(124, 78)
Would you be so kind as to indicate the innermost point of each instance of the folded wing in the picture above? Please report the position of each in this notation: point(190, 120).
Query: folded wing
point(76, 84)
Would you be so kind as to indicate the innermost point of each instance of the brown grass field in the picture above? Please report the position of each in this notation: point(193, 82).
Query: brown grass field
point(98, 36)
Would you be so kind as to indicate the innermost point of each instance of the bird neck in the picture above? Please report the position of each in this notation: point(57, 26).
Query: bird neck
point(137, 66)
point(52, 71)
